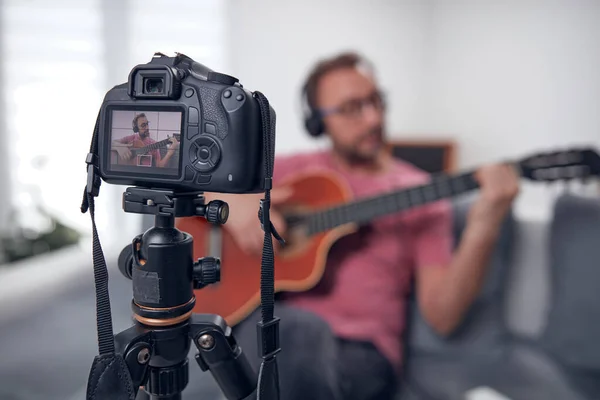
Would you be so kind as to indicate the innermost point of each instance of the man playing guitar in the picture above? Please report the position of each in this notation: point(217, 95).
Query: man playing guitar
point(342, 338)
point(140, 138)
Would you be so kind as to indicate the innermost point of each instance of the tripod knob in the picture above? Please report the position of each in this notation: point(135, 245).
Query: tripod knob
point(217, 212)
point(207, 270)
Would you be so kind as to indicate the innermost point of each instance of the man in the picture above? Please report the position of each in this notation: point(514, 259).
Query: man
point(141, 127)
point(341, 340)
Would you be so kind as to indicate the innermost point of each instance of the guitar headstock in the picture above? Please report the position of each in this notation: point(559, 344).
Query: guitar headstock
point(561, 165)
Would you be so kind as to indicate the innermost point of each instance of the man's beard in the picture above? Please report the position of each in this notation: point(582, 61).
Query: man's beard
point(353, 155)
point(144, 135)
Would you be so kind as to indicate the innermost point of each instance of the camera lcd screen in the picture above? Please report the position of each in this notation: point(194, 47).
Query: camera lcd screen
point(145, 142)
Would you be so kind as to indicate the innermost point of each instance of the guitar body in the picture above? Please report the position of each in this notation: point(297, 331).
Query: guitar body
point(298, 267)
point(138, 158)
point(140, 152)
point(325, 201)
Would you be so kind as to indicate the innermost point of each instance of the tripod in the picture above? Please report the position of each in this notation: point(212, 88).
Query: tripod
point(164, 276)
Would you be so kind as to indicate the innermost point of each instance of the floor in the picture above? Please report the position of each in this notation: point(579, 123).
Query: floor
point(47, 353)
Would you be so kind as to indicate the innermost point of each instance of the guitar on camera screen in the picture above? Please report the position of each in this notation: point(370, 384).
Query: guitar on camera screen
point(145, 142)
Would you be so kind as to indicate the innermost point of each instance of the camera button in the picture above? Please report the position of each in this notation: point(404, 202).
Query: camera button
point(204, 153)
point(193, 152)
point(222, 78)
point(210, 128)
point(189, 93)
point(203, 179)
point(192, 131)
point(215, 156)
point(193, 116)
point(189, 173)
point(227, 94)
point(239, 97)
point(203, 166)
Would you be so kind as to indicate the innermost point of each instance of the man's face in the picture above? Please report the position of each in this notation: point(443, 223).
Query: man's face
point(144, 129)
point(355, 120)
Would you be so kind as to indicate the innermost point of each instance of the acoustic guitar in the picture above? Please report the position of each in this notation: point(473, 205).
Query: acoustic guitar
point(139, 152)
point(321, 211)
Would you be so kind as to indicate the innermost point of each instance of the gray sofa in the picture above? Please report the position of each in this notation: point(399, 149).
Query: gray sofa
point(534, 332)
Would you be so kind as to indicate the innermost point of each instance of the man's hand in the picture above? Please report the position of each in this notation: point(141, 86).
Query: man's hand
point(445, 294)
point(122, 150)
point(243, 222)
point(174, 144)
point(499, 185)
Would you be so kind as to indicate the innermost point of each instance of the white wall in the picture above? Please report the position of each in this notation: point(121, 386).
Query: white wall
point(514, 77)
point(274, 43)
point(504, 79)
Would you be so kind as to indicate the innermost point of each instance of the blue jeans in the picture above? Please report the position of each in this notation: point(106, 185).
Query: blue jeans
point(315, 364)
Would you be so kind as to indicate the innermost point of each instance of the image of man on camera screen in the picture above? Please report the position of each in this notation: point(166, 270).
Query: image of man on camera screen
point(153, 142)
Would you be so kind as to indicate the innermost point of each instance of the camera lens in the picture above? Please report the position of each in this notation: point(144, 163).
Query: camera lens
point(153, 85)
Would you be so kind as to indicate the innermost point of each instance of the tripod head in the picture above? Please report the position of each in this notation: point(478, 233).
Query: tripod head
point(164, 275)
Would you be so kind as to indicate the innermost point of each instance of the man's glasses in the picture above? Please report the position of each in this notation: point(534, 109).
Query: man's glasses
point(354, 108)
point(144, 124)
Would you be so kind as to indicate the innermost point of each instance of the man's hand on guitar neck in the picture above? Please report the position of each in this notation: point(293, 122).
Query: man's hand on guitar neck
point(243, 223)
point(447, 292)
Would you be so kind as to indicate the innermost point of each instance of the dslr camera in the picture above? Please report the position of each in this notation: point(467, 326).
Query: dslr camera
point(175, 130)
point(179, 125)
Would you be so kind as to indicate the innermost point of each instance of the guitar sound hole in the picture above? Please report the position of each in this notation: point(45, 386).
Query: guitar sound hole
point(296, 232)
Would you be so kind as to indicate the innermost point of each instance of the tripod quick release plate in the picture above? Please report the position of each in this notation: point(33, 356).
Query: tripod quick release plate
point(169, 203)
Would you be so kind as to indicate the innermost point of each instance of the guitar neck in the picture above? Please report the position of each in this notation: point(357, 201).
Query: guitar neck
point(154, 146)
point(363, 211)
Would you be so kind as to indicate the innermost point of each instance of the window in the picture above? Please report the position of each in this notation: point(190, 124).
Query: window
point(53, 78)
point(59, 59)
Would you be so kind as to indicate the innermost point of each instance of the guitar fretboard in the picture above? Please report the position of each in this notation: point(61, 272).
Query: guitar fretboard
point(153, 146)
point(362, 211)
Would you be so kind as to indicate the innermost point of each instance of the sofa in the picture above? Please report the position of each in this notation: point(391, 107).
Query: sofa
point(534, 331)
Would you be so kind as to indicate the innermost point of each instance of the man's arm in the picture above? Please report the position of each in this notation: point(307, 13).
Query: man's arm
point(118, 146)
point(161, 162)
point(445, 292)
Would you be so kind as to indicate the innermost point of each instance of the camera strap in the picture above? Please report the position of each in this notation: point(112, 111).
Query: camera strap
point(268, 327)
point(109, 376)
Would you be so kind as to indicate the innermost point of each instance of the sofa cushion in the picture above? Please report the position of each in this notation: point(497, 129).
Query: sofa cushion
point(572, 330)
point(520, 372)
point(484, 327)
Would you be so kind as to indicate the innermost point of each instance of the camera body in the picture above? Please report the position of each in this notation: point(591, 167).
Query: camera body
point(179, 125)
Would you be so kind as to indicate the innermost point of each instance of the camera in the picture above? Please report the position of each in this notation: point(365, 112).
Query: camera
point(175, 130)
point(176, 124)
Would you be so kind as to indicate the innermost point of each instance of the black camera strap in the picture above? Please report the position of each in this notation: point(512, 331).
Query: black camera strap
point(268, 328)
point(109, 376)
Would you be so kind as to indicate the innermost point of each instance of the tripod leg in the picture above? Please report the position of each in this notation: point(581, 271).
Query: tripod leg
point(220, 354)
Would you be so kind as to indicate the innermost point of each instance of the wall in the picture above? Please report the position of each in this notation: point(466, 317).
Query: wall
point(503, 80)
point(514, 78)
point(274, 43)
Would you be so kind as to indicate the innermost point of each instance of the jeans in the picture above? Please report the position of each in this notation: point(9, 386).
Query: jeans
point(315, 364)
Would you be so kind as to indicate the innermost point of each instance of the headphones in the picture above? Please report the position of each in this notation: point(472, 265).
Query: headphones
point(134, 124)
point(313, 120)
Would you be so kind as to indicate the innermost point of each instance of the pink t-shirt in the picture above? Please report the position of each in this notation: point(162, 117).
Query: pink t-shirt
point(362, 294)
point(144, 161)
